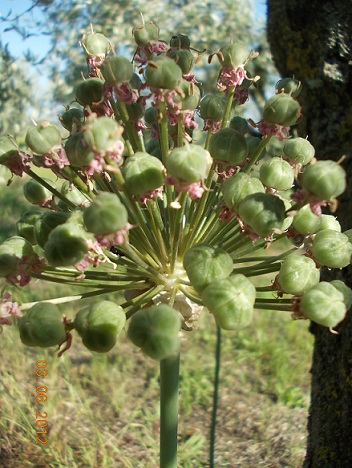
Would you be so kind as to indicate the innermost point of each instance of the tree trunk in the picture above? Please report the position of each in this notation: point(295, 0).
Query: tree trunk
point(312, 41)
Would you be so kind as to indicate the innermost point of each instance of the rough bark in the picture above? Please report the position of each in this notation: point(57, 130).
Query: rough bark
point(312, 41)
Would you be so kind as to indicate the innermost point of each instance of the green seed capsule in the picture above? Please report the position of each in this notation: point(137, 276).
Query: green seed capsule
point(237, 187)
point(89, 91)
point(324, 179)
point(21, 247)
point(8, 149)
point(180, 41)
point(101, 133)
point(240, 124)
point(46, 223)
point(228, 145)
point(189, 163)
point(25, 225)
point(96, 44)
point(282, 109)
point(42, 326)
point(105, 215)
point(305, 221)
point(204, 264)
point(145, 33)
point(156, 331)
point(324, 304)
point(43, 138)
point(346, 291)
point(184, 59)
point(73, 195)
point(142, 173)
point(163, 73)
point(36, 193)
point(277, 174)
point(99, 325)
point(191, 96)
point(289, 86)
point(212, 108)
point(78, 152)
point(332, 249)
point(72, 119)
point(297, 275)
point(66, 245)
point(231, 301)
point(299, 150)
point(8, 260)
point(262, 212)
point(329, 222)
point(233, 55)
point(117, 69)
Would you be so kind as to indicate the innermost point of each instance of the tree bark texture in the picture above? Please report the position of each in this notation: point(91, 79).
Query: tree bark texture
point(312, 42)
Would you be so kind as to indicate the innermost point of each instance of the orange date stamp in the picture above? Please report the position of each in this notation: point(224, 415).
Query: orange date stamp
point(41, 397)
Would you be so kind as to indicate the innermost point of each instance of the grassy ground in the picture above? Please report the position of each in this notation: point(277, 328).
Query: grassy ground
point(103, 409)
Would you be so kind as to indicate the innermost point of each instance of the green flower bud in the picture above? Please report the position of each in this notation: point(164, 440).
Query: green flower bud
point(297, 275)
point(101, 133)
point(184, 59)
point(117, 69)
point(20, 247)
point(156, 331)
point(89, 91)
point(163, 73)
point(277, 174)
point(72, 119)
point(233, 55)
point(324, 179)
point(237, 187)
point(299, 150)
point(231, 301)
point(212, 108)
point(180, 41)
point(262, 212)
point(43, 138)
point(189, 163)
point(324, 304)
point(96, 44)
point(329, 222)
point(66, 245)
point(346, 291)
point(191, 97)
point(46, 223)
point(105, 215)
point(99, 325)
point(145, 33)
point(305, 221)
point(240, 124)
point(332, 249)
point(282, 109)
point(25, 225)
point(36, 193)
point(204, 264)
point(7, 149)
point(289, 86)
point(142, 173)
point(78, 152)
point(8, 260)
point(228, 145)
point(42, 326)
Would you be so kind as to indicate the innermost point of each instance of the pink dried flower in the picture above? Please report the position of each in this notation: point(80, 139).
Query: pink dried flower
point(8, 309)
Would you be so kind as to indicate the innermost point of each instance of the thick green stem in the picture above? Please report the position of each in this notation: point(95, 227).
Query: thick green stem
point(169, 388)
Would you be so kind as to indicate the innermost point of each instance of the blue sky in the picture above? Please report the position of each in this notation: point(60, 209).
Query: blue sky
point(39, 44)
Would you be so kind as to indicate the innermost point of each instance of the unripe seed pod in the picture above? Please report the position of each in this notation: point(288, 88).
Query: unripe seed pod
point(184, 59)
point(329, 222)
point(42, 326)
point(332, 249)
point(36, 193)
point(212, 108)
point(305, 221)
point(231, 301)
point(96, 44)
point(189, 163)
point(324, 304)
point(105, 215)
point(8, 260)
point(289, 86)
point(117, 69)
point(156, 331)
point(348, 233)
point(263, 212)
point(43, 138)
point(72, 119)
point(240, 124)
point(299, 150)
point(142, 173)
point(346, 291)
point(46, 223)
point(101, 133)
point(180, 41)
point(277, 174)
point(163, 73)
point(89, 91)
point(233, 55)
point(191, 96)
point(20, 247)
point(25, 225)
point(66, 245)
point(78, 152)
point(237, 187)
point(204, 264)
point(145, 33)
point(99, 325)
point(135, 110)
point(282, 109)
point(324, 179)
point(151, 116)
point(228, 145)
point(7, 149)
point(253, 143)
point(73, 195)
point(297, 275)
